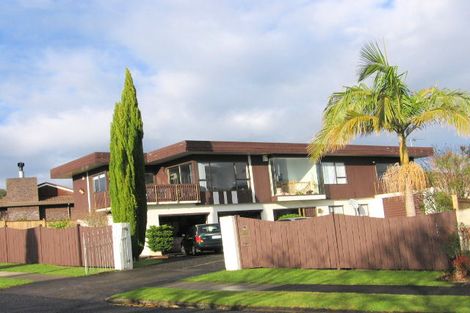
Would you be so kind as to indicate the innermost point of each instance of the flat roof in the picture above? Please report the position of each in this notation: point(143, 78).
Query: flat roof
point(193, 147)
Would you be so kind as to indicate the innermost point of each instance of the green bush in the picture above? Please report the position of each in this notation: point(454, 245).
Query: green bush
point(160, 238)
point(61, 224)
point(291, 215)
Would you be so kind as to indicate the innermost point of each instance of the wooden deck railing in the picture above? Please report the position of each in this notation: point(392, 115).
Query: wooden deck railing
point(101, 200)
point(173, 193)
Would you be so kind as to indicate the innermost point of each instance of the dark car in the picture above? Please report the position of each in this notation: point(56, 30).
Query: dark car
point(202, 237)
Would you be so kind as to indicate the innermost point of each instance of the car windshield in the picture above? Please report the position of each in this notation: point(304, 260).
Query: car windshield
point(209, 229)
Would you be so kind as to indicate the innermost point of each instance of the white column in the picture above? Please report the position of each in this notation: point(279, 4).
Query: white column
point(230, 243)
point(267, 214)
point(212, 217)
point(122, 246)
point(252, 180)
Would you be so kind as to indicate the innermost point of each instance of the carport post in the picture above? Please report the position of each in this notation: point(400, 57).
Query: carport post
point(228, 225)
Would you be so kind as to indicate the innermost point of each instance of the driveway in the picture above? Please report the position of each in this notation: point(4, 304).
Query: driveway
point(87, 294)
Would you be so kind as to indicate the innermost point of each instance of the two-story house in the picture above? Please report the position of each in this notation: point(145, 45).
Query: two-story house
point(193, 182)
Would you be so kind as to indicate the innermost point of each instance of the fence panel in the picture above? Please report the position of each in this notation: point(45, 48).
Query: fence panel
point(97, 246)
point(338, 241)
point(61, 246)
point(3, 245)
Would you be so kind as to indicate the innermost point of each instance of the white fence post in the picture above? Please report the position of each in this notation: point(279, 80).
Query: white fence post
point(229, 229)
point(122, 247)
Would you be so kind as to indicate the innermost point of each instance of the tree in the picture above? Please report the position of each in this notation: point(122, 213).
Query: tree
point(388, 106)
point(3, 193)
point(449, 172)
point(160, 238)
point(127, 168)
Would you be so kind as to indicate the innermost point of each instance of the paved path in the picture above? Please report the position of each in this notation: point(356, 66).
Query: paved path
point(29, 276)
point(87, 294)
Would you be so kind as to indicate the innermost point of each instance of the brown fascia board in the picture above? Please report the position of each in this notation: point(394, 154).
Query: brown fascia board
point(189, 147)
point(81, 165)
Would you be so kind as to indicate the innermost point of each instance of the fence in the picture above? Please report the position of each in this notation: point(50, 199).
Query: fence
point(71, 246)
point(339, 241)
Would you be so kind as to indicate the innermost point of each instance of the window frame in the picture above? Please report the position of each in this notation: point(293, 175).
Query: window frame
point(337, 178)
point(331, 209)
point(208, 181)
point(97, 178)
point(178, 166)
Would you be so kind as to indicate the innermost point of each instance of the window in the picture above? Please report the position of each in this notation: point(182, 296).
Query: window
point(334, 173)
point(148, 178)
point(181, 174)
point(381, 168)
point(99, 183)
point(294, 176)
point(223, 176)
point(336, 209)
point(363, 210)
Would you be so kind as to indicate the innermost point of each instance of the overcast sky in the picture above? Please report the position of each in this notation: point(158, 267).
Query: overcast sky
point(216, 70)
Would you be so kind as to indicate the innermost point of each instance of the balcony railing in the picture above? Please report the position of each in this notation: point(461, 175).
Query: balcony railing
point(173, 193)
point(291, 188)
point(101, 200)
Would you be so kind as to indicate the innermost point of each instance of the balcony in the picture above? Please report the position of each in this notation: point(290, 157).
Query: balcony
point(101, 200)
point(174, 193)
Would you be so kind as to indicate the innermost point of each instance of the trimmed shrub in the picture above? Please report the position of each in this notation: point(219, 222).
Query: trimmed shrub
point(61, 224)
point(160, 238)
point(291, 215)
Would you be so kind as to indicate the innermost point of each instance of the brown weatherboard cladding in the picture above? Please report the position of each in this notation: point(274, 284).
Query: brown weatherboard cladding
point(261, 179)
point(340, 241)
point(395, 206)
point(81, 197)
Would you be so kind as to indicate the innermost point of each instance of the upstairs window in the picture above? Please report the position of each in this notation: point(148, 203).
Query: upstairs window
point(148, 178)
point(181, 174)
point(381, 168)
point(223, 176)
point(334, 173)
point(99, 183)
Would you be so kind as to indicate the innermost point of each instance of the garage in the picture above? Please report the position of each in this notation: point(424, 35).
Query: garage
point(182, 223)
point(248, 214)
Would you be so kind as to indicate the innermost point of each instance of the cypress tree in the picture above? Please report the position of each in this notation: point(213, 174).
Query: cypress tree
point(127, 168)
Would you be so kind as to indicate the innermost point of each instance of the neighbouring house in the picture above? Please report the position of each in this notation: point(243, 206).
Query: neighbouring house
point(26, 200)
point(193, 182)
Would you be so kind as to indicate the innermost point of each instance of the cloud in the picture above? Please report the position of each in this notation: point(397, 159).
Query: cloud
point(237, 70)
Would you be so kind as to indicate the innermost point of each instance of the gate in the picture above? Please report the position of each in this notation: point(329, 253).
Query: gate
point(97, 243)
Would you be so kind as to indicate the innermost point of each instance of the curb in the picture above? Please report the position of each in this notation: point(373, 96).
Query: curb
point(212, 306)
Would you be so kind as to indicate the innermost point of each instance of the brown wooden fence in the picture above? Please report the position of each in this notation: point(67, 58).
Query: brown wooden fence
point(339, 241)
point(56, 246)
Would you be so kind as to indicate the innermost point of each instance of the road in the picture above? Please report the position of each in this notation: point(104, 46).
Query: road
point(88, 294)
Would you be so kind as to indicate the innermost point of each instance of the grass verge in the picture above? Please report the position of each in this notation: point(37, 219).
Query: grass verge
point(292, 300)
point(325, 277)
point(47, 269)
point(10, 282)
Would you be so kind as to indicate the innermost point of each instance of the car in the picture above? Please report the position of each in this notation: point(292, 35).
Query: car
point(202, 237)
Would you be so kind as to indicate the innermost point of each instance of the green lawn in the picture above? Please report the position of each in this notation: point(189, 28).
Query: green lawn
point(314, 300)
point(10, 282)
point(48, 269)
point(331, 277)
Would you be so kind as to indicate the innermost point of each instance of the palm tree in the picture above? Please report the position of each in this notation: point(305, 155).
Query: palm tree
point(387, 106)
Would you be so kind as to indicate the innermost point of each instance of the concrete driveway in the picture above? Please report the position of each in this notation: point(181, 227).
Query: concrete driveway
point(87, 294)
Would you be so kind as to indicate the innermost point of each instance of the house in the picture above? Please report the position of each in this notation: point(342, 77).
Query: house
point(193, 182)
point(26, 200)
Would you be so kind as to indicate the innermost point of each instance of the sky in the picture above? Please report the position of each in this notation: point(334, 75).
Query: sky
point(250, 70)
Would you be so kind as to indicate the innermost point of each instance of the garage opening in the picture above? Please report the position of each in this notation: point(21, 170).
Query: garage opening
point(182, 223)
point(248, 214)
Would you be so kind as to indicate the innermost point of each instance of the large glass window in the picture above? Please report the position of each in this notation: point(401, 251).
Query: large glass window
point(381, 168)
point(99, 183)
point(148, 178)
point(223, 176)
point(294, 176)
point(181, 174)
point(334, 173)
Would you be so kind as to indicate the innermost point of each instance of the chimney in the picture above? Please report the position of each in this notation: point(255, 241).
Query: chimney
point(20, 170)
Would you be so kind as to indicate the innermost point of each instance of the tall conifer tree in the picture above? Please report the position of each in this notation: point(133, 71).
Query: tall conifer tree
point(126, 166)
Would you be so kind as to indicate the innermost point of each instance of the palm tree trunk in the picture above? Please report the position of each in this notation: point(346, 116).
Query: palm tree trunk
point(404, 161)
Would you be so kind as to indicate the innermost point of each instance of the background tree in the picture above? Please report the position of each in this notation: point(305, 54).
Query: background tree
point(127, 168)
point(3, 193)
point(449, 171)
point(388, 106)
